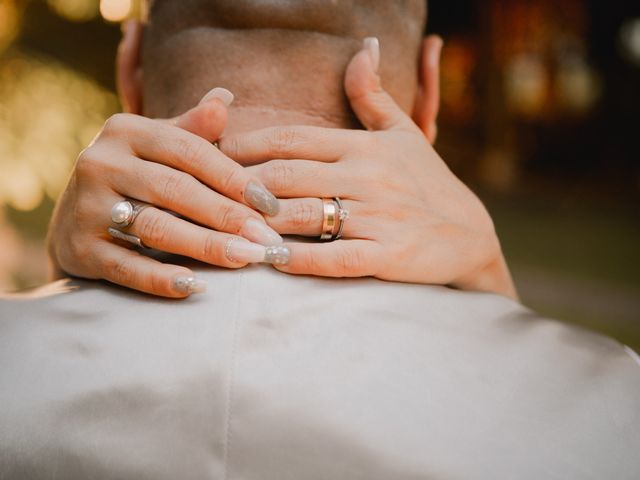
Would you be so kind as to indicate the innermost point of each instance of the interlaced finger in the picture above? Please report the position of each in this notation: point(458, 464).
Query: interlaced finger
point(130, 269)
point(162, 231)
point(304, 216)
point(341, 258)
point(176, 148)
point(180, 192)
point(292, 142)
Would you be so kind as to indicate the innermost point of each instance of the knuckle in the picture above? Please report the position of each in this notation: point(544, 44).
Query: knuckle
point(309, 263)
point(175, 186)
point(349, 262)
point(278, 175)
point(281, 141)
point(230, 146)
point(91, 162)
point(302, 215)
point(86, 163)
point(117, 124)
point(190, 151)
point(154, 230)
point(230, 219)
point(211, 248)
point(96, 163)
point(120, 269)
point(231, 181)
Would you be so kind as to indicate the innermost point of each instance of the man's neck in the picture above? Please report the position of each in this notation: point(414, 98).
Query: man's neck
point(277, 77)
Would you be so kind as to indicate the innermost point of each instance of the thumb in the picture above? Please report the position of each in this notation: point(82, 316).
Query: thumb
point(373, 106)
point(209, 118)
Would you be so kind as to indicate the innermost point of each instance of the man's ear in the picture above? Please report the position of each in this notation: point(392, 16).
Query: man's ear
point(129, 67)
point(427, 104)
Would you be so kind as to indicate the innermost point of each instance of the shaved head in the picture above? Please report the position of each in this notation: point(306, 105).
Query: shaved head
point(285, 54)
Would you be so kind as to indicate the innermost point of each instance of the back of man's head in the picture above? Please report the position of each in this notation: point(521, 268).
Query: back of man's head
point(282, 54)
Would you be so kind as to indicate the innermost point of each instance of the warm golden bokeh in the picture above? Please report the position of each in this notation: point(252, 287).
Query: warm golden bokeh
point(9, 22)
point(75, 10)
point(116, 10)
point(48, 113)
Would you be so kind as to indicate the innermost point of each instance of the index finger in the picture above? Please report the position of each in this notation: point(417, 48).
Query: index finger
point(291, 142)
point(176, 148)
point(340, 258)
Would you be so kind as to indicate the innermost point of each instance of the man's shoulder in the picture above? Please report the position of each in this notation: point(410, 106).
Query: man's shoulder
point(271, 376)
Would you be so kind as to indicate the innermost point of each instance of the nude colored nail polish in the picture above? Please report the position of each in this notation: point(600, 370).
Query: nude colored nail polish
point(259, 232)
point(261, 199)
point(372, 44)
point(238, 250)
point(241, 251)
point(221, 93)
point(189, 285)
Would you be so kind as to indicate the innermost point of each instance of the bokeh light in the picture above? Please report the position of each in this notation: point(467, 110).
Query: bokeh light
point(630, 40)
point(9, 21)
point(48, 113)
point(75, 10)
point(116, 10)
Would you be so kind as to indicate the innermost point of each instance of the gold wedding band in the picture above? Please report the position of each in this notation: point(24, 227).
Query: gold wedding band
point(334, 216)
point(329, 210)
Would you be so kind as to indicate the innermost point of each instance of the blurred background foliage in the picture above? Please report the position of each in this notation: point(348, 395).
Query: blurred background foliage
point(540, 108)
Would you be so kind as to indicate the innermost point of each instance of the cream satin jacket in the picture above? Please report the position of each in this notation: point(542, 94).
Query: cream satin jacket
point(274, 377)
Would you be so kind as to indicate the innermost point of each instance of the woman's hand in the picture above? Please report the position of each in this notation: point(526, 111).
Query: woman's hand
point(171, 165)
point(410, 218)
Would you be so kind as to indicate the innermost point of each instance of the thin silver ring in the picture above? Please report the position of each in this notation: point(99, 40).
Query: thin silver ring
point(127, 237)
point(342, 216)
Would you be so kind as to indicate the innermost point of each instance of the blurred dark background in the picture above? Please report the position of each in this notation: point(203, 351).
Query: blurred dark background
point(540, 109)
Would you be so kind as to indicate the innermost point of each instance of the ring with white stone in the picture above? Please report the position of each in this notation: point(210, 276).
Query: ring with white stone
point(343, 214)
point(124, 213)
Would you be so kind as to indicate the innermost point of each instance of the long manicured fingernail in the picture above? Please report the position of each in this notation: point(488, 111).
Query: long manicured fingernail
point(242, 251)
point(259, 232)
point(372, 44)
point(434, 54)
point(189, 285)
point(261, 199)
point(221, 93)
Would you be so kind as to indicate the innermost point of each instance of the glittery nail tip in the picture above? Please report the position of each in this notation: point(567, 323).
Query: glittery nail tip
point(189, 285)
point(261, 199)
point(277, 255)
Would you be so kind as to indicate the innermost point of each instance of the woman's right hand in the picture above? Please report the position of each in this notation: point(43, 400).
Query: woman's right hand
point(171, 165)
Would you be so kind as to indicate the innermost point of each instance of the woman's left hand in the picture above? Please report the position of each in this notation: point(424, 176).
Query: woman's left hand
point(410, 218)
